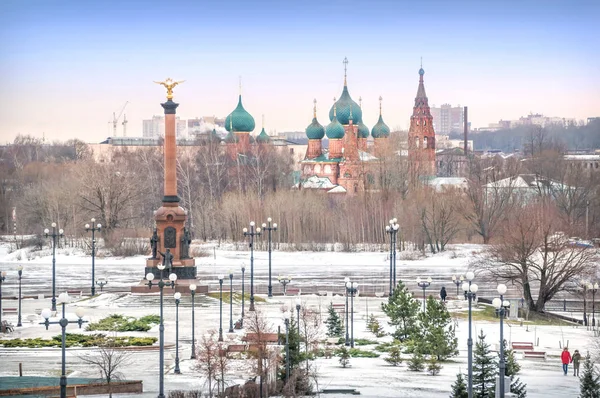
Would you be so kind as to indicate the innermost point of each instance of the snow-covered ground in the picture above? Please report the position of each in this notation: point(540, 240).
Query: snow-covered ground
point(312, 272)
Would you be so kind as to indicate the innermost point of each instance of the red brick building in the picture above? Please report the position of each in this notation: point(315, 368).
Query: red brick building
point(421, 136)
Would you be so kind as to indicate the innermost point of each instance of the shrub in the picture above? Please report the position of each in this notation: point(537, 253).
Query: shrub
point(120, 323)
point(433, 366)
point(80, 340)
point(416, 363)
point(197, 251)
point(344, 354)
point(395, 357)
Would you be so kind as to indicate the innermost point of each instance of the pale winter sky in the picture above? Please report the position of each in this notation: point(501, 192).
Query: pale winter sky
point(66, 66)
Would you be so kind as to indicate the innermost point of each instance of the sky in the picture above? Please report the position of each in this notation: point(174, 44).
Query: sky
point(66, 66)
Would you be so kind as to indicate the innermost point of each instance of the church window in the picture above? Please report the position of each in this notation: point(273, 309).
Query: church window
point(355, 188)
point(424, 142)
point(424, 122)
point(327, 169)
point(417, 122)
point(306, 169)
point(317, 168)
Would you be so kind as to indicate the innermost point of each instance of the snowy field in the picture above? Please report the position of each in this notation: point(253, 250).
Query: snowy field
point(322, 271)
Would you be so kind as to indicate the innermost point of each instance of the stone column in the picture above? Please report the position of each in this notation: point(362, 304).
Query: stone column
point(170, 148)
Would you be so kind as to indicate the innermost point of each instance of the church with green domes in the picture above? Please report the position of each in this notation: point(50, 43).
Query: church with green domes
point(343, 167)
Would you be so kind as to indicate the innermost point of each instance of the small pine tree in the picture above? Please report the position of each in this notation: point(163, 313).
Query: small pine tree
point(590, 381)
point(433, 366)
point(394, 357)
point(402, 309)
point(375, 327)
point(334, 323)
point(438, 337)
point(416, 363)
point(459, 388)
point(512, 367)
point(485, 368)
point(344, 356)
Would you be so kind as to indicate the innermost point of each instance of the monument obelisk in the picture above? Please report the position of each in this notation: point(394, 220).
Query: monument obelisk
point(171, 239)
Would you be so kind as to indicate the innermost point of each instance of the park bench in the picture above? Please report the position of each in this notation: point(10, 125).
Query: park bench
point(535, 354)
point(236, 348)
point(340, 391)
point(76, 293)
point(292, 291)
point(272, 338)
point(9, 311)
point(522, 346)
point(379, 294)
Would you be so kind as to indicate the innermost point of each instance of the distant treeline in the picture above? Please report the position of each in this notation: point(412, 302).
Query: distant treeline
point(510, 140)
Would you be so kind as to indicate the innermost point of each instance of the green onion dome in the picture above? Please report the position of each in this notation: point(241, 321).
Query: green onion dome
point(263, 137)
point(239, 120)
point(380, 130)
point(363, 131)
point(315, 131)
point(347, 109)
point(335, 130)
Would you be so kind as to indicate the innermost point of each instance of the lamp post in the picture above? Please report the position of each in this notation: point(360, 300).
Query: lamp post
point(584, 287)
point(268, 227)
point(252, 233)
point(20, 272)
point(287, 346)
point(2, 279)
point(93, 228)
point(347, 340)
point(161, 284)
point(177, 297)
point(457, 281)
point(501, 307)
point(193, 293)
point(243, 295)
point(298, 306)
point(351, 288)
point(63, 322)
point(470, 290)
point(284, 280)
point(230, 301)
point(392, 230)
point(424, 284)
point(594, 289)
point(102, 281)
point(55, 235)
point(221, 276)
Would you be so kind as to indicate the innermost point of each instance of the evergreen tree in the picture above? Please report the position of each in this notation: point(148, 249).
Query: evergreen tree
point(459, 388)
point(344, 356)
point(433, 366)
point(296, 357)
point(402, 309)
point(416, 362)
point(394, 357)
point(485, 368)
point(375, 327)
point(590, 381)
point(438, 336)
point(512, 367)
point(334, 323)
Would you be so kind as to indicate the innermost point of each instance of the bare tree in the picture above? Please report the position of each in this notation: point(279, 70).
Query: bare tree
point(109, 360)
point(438, 218)
point(266, 359)
point(534, 252)
point(207, 362)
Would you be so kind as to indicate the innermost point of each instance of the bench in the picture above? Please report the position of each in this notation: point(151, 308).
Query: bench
point(379, 294)
point(522, 346)
point(9, 311)
point(236, 348)
point(340, 391)
point(76, 293)
point(292, 291)
point(535, 354)
point(339, 308)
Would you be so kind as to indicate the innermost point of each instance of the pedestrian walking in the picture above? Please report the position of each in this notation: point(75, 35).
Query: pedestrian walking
point(566, 359)
point(575, 361)
point(443, 293)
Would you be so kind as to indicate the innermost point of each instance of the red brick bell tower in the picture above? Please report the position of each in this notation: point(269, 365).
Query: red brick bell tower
point(421, 136)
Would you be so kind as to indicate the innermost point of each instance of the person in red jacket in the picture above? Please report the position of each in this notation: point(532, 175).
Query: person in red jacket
point(566, 359)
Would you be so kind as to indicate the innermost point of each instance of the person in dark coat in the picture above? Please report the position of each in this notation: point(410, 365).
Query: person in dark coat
point(575, 361)
point(443, 293)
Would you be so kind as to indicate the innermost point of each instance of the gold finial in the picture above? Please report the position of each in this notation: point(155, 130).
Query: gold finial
point(334, 109)
point(240, 85)
point(421, 62)
point(380, 99)
point(345, 69)
point(169, 84)
point(315, 108)
point(263, 121)
point(360, 102)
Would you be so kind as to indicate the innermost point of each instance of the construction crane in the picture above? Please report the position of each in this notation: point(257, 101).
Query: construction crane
point(124, 123)
point(116, 119)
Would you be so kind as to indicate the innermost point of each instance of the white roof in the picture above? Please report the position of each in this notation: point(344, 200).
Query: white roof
point(582, 157)
point(366, 156)
point(338, 189)
point(315, 182)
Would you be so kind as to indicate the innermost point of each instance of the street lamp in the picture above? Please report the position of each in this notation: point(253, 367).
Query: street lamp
point(193, 292)
point(230, 301)
point(20, 271)
point(594, 289)
point(63, 298)
point(55, 236)
point(93, 228)
point(351, 288)
point(286, 315)
point(347, 340)
point(584, 287)
point(424, 285)
point(392, 230)
point(284, 280)
point(501, 306)
point(268, 227)
point(161, 284)
point(177, 297)
point(457, 282)
point(221, 276)
point(252, 233)
point(2, 278)
point(102, 281)
point(298, 306)
point(470, 290)
point(243, 295)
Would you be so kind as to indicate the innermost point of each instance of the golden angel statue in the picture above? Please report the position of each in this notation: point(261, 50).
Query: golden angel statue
point(169, 84)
